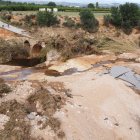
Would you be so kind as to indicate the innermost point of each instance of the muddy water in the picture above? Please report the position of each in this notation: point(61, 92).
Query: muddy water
point(120, 72)
point(21, 74)
point(16, 74)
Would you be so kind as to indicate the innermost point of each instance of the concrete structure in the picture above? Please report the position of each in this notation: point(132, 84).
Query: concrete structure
point(55, 9)
point(49, 9)
point(42, 9)
point(13, 29)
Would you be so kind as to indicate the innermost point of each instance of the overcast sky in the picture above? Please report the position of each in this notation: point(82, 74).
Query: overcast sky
point(93, 1)
point(101, 1)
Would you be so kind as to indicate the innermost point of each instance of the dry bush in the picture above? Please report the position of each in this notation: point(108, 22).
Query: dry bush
point(10, 50)
point(16, 128)
point(78, 45)
point(4, 88)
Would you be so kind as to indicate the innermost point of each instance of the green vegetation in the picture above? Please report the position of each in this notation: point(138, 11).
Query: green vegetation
point(29, 20)
point(18, 6)
point(51, 4)
point(88, 21)
point(91, 5)
point(116, 16)
point(46, 19)
point(126, 16)
point(97, 5)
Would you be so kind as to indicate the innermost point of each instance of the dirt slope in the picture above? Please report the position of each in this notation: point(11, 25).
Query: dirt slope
point(102, 109)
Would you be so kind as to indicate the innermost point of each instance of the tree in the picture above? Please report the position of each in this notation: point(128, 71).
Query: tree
point(91, 5)
point(97, 5)
point(116, 16)
point(130, 12)
point(88, 21)
point(126, 16)
point(51, 4)
point(46, 19)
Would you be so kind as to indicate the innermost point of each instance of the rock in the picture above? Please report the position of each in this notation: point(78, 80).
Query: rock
point(138, 60)
point(42, 65)
point(32, 115)
point(3, 120)
point(135, 67)
point(107, 52)
point(128, 56)
point(52, 73)
point(53, 55)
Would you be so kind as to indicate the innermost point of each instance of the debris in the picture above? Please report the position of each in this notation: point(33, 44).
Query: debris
point(105, 118)
point(70, 71)
point(116, 124)
point(3, 120)
point(52, 73)
point(126, 74)
point(4, 88)
point(32, 115)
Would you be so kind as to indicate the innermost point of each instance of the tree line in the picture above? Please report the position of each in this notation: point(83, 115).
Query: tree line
point(18, 6)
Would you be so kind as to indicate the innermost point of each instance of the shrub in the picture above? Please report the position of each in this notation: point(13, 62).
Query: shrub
point(29, 20)
point(88, 21)
point(127, 27)
point(46, 19)
point(107, 20)
point(6, 15)
point(69, 22)
point(4, 88)
point(138, 25)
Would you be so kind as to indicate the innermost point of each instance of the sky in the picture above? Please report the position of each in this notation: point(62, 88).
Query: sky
point(92, 1)
point(101, 1)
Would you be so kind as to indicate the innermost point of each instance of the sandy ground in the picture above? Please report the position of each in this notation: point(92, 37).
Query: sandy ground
point(102, 107)
point(99, 112)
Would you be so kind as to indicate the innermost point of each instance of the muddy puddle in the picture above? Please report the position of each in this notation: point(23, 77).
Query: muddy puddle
point(20, 74)
point(27, 68)
point(16, 74)
point(120, 72)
